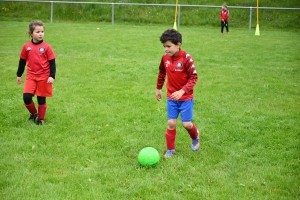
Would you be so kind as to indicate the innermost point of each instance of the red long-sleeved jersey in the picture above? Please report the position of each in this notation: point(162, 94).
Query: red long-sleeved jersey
point(181, 74)
point(224, 15)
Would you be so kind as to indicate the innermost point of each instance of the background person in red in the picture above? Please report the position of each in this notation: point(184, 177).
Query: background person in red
point(41, 69)
point(224, 15)
point(181, 73)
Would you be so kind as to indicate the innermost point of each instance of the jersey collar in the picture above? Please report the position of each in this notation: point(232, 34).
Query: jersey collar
point(36, 43)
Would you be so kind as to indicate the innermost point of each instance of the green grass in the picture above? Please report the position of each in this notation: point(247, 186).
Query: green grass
point(104, 112)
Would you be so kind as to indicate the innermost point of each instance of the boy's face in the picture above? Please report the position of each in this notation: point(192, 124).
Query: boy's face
point(170, 48)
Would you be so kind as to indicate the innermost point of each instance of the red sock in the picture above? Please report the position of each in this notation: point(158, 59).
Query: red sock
point(193, 132)
point(31, 108)
point(170, 139)
point(42, 111)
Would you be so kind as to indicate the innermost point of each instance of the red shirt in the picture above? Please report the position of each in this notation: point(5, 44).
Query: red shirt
point(181, 73)
point(224, 15)
point(37, 57)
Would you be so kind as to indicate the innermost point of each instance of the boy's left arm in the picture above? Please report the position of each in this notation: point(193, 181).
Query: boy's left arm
point(193, 77)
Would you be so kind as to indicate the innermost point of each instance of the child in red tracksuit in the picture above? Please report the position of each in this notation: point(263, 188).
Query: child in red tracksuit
point(224, 15)
point(177, 66)
point(41, 68)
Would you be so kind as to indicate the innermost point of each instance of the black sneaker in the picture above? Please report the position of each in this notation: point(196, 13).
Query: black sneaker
point(32, 117)
point(40, 122)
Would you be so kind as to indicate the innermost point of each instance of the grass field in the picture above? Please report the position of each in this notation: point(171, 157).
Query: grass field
point(104, 111)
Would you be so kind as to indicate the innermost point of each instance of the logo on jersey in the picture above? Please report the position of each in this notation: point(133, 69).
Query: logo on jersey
point(179, 65)
point(167, 63)
point(29, 48)
point(42, 50)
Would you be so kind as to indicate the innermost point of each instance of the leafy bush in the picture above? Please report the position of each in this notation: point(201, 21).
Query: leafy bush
point(139, 14)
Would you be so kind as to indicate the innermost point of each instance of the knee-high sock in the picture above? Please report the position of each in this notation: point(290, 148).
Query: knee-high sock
point(194, 133)
point(170, 138)
point(42, 111)
point(31, 108)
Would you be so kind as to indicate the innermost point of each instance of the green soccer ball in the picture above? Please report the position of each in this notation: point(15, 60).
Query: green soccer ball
point(148, 157)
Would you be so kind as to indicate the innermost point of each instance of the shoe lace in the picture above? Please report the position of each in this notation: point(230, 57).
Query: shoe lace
point(195, 141)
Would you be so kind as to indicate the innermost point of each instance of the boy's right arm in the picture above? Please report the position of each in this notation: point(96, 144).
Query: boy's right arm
point(158, 94)
point(160, 80)
point(161, 75)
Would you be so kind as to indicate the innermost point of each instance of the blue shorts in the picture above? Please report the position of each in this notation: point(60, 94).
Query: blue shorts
point(185, 108)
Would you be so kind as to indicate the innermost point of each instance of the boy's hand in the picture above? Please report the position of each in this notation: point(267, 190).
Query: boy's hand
point(177, 95)
point(158, 95)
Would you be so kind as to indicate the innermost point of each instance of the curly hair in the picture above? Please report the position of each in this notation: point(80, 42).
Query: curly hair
point(171, 35)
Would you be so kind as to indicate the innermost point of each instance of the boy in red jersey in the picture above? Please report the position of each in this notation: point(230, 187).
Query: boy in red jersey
point(224, 15)
point(41, 69)
point(179, 67)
